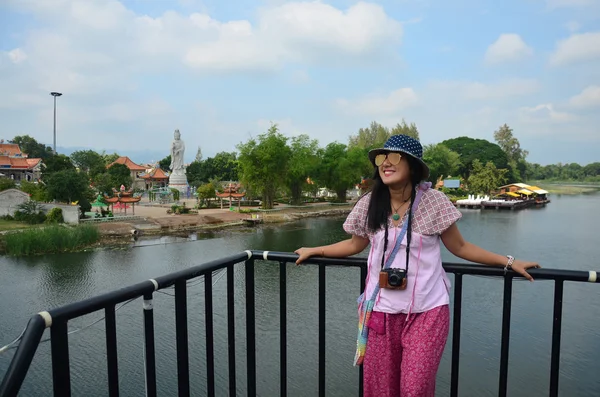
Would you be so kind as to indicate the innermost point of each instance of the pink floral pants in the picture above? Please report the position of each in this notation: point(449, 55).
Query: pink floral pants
point(402, 357)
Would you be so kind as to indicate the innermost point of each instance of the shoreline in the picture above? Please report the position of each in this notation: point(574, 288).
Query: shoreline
point(173, 225)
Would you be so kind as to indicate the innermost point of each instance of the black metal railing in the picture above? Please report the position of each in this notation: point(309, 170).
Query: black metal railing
point(57, 320)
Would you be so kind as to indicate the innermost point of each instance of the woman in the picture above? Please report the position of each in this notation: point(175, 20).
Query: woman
point(404, 309)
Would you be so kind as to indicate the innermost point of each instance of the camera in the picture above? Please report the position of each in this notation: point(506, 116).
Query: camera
point(392, 278)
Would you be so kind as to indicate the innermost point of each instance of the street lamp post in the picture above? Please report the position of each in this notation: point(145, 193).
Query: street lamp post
point(55, 94)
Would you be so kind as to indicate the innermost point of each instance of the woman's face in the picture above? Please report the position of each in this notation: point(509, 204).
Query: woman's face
point(398, 174)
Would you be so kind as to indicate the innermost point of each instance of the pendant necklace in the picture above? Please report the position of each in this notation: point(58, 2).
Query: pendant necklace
point(396, 216)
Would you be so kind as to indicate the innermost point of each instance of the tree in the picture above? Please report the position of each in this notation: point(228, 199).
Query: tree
point(405, 129)
point(109, 158)
point(224, 167)
point(165, 164)
point(302, 163)
point(442, 161)
point(88, 161)
point(511, 146)
point(263, 163)
point(470, 149)
point(32, 148)
point(485, 179)
point(120, 175)
point(68, 186)
point(371, 137)
point(341, 168)
point(7, 183)
point(376, 134)
point(53, 164)
point(206, 192)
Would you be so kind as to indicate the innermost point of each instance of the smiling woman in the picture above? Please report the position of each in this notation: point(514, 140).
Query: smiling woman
point(403, 312)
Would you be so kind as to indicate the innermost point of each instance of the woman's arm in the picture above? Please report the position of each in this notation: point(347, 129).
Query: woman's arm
point(342, 249)
point(457, 245)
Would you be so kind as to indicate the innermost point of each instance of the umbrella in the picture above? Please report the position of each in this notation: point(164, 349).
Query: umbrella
point(99, 202)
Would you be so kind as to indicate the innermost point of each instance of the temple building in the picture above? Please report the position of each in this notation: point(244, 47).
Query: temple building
point(155, 178)
point(15, 164)
point(135, 169)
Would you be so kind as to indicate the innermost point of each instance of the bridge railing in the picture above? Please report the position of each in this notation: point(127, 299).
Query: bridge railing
point(57, 320)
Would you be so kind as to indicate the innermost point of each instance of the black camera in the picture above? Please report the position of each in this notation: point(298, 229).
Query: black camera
point(392, 278)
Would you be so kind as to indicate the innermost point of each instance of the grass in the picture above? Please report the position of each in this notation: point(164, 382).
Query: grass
point(566, 189)
point(50, 240)
point(12, 225)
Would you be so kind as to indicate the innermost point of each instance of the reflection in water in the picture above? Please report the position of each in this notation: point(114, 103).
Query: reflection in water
point(561, 235)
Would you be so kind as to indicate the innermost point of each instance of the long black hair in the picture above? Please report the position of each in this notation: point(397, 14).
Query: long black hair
point(380, 206)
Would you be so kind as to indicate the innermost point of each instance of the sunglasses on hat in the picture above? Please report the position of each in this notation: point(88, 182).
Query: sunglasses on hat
point(393, 157)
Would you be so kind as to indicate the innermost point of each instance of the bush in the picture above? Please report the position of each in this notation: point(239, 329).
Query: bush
point(175, 194)
point(52, 239)
point(30, 212)
point(55, 216)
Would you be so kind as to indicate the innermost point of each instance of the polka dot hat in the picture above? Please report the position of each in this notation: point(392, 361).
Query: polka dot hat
point(402, 144)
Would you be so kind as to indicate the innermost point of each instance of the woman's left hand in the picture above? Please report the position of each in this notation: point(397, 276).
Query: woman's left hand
point(521, 267)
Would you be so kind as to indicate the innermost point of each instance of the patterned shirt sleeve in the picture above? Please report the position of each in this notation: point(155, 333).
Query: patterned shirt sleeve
point(356, 222)
point(436, 213)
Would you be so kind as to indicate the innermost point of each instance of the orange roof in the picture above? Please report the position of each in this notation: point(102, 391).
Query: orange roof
point(127, 161)
point(18, 162)
point(10, 149)
point(33, 162)
point(4, 160)
point(157, 173)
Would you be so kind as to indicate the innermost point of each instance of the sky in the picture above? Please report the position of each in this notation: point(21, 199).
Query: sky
point(133, 71)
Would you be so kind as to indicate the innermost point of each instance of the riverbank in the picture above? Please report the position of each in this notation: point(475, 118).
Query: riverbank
point(159, 224)
point(154, 221)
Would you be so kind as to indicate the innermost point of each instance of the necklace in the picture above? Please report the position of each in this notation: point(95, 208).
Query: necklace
point(396, 216)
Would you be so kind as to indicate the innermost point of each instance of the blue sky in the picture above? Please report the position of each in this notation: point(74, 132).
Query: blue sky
point(132, 71)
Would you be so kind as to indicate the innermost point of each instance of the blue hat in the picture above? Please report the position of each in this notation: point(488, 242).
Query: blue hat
point(403, 144)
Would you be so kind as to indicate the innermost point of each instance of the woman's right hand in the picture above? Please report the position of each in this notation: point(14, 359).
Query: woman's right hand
point(304, 253)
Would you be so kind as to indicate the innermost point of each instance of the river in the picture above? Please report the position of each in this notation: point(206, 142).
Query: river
point(560, 235)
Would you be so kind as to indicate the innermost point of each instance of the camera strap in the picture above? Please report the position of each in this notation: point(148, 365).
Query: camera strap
point(398, 243)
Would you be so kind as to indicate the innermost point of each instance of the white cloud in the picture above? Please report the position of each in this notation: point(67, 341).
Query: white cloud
point(577, 48)
point(17, 55)
point(477, 91)
point(544, 113)
point(294, 31)
point(509, 47)
point(380, 105)
point(589, 97)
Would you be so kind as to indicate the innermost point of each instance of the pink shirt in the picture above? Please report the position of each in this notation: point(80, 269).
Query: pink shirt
point(428, 284)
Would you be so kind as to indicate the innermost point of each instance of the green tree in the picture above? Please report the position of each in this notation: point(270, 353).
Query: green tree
point(32, 148)
point(303, 162)
point(341, 168)
point(263, 163)
point(68, 186)
point(37, 191)
point(224, 167)
point(442, 161)
point(120, 175)
point(53, 164)
point(470, 149)
point(7, 183)
point(88, 161)
point(373, 136)
point(509, 143)
point(206, 192)
point(486, 179)
point(165, 164)
point(405, 129)
point(109, 158)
